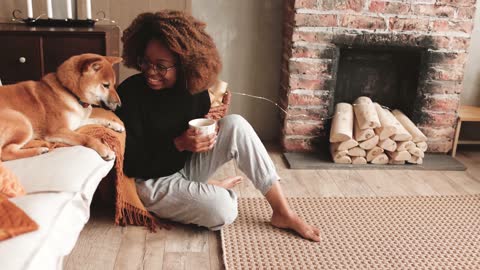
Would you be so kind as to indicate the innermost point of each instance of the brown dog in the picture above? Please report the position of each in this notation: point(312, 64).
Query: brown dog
point(53, 108)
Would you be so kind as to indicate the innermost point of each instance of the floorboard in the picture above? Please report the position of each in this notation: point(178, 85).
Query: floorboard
point(104, 246)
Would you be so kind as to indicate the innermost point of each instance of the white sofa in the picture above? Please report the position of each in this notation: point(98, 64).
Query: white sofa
point(60, 186)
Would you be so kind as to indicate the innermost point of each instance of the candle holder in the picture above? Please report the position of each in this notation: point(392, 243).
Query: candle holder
point(59, 22)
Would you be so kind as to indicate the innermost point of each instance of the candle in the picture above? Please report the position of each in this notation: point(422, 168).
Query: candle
point(49, 9)
point(89, 9)
point(29, 9)
point(69, 9)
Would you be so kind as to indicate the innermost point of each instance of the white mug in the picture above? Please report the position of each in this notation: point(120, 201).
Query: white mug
point(205, 125)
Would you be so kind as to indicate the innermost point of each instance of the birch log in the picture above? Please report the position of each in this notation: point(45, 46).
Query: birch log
point(419, 160)
point(363, 100)
point(336, 154)
point(423, 146)
point(345, 145)
point(397, 156)
point(342, 123)
point(380, 159)
point(357, 152)
point(405, 146)
point(415, 160)
point(387, 123)
point(362, 134)
point(343, 160)
point(365, 113)
point(388, 144)
point(417, 135)
point(416, 152)
point(359, 160)
point(370, 143)
point(401, 133)
point(372, 153)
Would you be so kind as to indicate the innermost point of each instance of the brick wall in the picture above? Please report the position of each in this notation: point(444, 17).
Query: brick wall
point(314, 30)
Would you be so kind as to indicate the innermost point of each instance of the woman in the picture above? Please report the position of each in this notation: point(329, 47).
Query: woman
point(170, 162)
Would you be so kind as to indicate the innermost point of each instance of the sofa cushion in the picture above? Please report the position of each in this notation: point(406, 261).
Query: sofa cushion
point(60, 217)
point(69, 169)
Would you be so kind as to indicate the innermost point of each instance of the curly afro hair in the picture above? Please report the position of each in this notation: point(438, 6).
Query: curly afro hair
point(185, 36)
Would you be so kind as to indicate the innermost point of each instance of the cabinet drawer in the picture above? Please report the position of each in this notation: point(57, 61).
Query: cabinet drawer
point(58, 48)
point(20, 58)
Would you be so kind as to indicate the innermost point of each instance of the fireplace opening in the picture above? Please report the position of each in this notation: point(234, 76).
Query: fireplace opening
point(386, 75)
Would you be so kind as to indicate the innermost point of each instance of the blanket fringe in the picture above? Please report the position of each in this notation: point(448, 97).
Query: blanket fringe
point(128, 208)
point(127, 214)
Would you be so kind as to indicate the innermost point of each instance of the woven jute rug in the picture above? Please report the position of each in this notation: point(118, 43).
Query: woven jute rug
point(428, 232)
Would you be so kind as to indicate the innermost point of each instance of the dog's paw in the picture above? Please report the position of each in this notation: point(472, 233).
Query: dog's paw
point(43, 150)
point(116, 127)
point(109, 155)
point(103, 150)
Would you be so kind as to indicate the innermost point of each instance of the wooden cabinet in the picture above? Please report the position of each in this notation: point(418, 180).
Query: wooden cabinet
point(28, 53)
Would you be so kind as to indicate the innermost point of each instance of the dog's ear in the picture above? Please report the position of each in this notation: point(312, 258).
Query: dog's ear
point(113, 59)
point(93, 64)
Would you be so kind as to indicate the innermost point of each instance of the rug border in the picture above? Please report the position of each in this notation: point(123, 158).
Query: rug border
point(224, 258)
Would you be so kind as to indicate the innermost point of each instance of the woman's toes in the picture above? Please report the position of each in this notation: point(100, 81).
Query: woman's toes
point(315, 234)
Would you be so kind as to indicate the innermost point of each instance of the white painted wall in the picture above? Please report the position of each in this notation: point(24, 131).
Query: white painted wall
point(471, 83)
point(471, 90)
point(60, 8)
point(248, 36)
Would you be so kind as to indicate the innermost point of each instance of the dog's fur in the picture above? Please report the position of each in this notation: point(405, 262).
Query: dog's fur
point(51, 109)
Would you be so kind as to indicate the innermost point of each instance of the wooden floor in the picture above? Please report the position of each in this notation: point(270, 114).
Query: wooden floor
point(104, 246)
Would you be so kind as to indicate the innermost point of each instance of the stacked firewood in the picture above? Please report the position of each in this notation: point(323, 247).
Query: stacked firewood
point(365, 132)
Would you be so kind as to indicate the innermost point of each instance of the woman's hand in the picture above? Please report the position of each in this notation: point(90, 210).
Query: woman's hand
point(191, 140)
point(220, 111)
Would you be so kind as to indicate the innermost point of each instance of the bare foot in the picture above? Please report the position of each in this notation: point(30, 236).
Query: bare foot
point(294, 222)
point(227, 183)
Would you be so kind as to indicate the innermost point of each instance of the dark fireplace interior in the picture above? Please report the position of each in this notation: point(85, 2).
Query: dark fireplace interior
point(388, 76)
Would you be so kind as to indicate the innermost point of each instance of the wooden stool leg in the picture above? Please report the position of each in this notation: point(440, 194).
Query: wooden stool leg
point(457, 134)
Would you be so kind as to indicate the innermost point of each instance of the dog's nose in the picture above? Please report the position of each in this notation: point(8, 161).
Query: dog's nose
point(113, 105)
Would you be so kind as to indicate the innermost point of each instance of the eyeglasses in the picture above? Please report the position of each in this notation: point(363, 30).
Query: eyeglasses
point(160, 69)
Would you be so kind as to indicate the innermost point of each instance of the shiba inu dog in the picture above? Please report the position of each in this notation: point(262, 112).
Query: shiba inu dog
point(54, 107)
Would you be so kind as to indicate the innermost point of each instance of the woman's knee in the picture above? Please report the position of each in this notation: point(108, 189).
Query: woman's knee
point(220, 210)
point(233, 120)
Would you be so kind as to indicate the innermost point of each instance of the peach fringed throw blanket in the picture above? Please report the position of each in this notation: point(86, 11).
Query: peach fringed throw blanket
point(129, 209)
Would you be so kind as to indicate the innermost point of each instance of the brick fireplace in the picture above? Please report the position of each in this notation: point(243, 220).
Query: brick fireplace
point(318, 33)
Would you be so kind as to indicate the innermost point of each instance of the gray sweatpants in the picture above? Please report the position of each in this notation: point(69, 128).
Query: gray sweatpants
point(186, 197)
